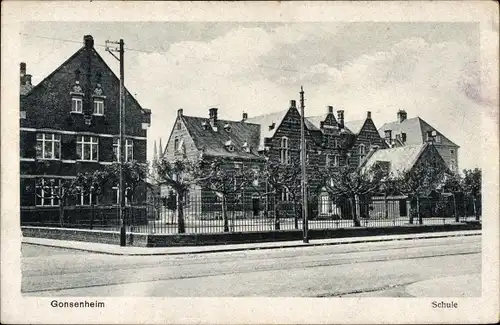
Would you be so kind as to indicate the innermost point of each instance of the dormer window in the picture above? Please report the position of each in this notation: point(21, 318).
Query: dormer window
point(229, 146)
point(246, 147)
point(76, 104)
point(227, 127)
point(98, 106)
point(204, 124)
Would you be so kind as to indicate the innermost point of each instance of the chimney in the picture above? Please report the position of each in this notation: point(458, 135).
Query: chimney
point(340, 118)
point(293, 103)
point(88, 41)
point(368, 115)
point(23, 73)
point(388, 135)
point(27, 80)
point(401, 115)
point(329, 109)
point(245, 117)
point(180, 111)
point(212, 113)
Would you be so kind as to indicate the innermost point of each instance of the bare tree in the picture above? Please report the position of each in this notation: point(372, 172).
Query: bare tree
point(180, 174)
point(224, 181)
point(284, 178)
point(352, 182)
point(92, 184)
point(56, 189)
point(472, 187)
point(420, 181)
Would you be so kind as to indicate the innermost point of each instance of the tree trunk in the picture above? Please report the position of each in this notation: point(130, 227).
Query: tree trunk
point(181, 227)
point(224, 214)
point(420, 220)
point(295, 216)
point(475, 209)
point(386, 208)
point(92, 215)
point(61, 214)
point(457, 217)
point(276, 216)
point(354, 208)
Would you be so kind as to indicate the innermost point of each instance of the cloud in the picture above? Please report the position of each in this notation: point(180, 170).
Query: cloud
point(438, 81)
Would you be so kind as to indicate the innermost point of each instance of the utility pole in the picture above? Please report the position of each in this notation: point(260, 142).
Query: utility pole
point(303, 167)
point(121, 147)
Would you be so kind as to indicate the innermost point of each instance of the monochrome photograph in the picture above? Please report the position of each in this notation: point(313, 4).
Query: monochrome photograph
point(205, 158)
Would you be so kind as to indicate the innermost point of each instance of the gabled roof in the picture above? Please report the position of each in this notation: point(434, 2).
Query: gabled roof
point(214, 143)
point(316, 120)
point(400, 159)
point(354, 126)
point(415, 129)
point(265, 121)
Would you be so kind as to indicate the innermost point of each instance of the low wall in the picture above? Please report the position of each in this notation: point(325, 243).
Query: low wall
point(162, 240)
point(86, 235)
point(173, 240)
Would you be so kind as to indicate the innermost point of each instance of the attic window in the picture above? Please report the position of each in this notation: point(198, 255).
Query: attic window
point(227, 127)
point(229, 146)
point(246, 147)
point(204, 124)
point(76, 104)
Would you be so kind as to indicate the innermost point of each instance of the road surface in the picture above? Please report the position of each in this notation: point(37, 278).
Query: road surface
point(371, 269)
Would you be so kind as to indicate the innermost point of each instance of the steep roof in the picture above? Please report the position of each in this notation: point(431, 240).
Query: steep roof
point(313, 122)
point(354, 126)
point(415, 129)
point(400, 159)
point(214, 143)
point(265, 121)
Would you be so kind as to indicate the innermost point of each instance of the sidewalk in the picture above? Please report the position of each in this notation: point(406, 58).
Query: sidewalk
point(453, 286)
point(137, 251)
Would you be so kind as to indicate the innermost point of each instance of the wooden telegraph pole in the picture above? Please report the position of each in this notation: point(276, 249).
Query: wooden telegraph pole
point(121, 209)
point(303, 167)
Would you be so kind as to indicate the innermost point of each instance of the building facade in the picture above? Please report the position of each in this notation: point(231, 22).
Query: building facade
point(249, 143)
point(416, 131)
point(69, 124)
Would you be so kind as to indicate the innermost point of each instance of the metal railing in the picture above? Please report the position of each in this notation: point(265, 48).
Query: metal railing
point(258, 214)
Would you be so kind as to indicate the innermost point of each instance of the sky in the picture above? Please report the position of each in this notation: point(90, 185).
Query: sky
point(431, 70)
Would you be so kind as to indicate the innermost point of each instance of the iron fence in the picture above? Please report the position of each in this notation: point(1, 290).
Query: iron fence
point(258, 214)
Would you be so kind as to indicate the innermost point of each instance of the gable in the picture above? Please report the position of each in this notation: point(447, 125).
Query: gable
point(52, 99)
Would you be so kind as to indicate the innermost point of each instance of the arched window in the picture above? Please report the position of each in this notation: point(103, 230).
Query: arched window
point(284, 151)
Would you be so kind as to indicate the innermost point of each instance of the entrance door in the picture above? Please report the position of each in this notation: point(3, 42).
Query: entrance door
point(402, 208)
point(255, 206)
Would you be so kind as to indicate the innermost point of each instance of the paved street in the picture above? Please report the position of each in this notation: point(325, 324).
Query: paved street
point(391, 269)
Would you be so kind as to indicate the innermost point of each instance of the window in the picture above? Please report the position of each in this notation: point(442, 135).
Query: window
point(335, 143)
point(86, 198)
point(76, 105)
point(284, 151)
point(438, 138)
point(336, 160)
point(452, 151)
point(116, 195)
point(238, 165)
point(87, 148)
point(129, 149)
point(327, 160)
point(452, 165)
point(362, 151)
point(178, 126)
point(176, 144)
point(47, 192)
point(285, 194)
point(255, 171)
point(98, 106)
point(48, 146)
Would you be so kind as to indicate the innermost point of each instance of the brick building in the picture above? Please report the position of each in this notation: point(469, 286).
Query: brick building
point(69, 123)
point(275, 136)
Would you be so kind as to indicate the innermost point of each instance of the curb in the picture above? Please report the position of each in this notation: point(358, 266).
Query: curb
point(237, 249)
